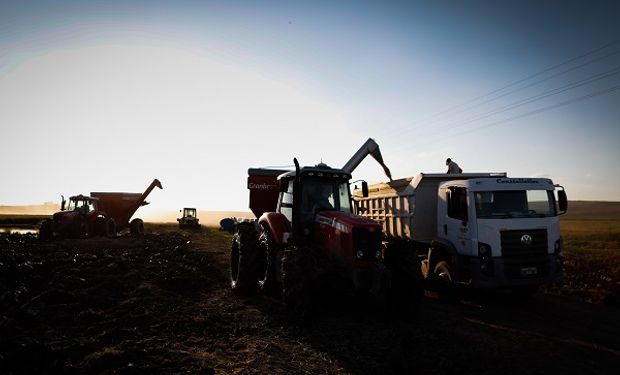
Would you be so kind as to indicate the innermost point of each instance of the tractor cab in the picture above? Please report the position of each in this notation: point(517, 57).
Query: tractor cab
point(189, 212)
point(189, 219)
point(81, 203)
point(311, 190)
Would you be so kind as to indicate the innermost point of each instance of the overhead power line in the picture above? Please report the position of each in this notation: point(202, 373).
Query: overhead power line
point(524, 115)
point(460, 109)
point(535, 98)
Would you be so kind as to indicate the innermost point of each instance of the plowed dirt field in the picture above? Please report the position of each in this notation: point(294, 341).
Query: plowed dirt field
point(161, 304)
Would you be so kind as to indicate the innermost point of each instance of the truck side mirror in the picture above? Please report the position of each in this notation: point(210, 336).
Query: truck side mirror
point(62, 203)
point(365, 189)
point(562, 201)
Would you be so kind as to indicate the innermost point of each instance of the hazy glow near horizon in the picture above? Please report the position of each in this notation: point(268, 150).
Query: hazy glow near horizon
point(99, 98)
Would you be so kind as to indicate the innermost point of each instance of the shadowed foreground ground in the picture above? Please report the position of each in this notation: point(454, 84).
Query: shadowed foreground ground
point(160, 304)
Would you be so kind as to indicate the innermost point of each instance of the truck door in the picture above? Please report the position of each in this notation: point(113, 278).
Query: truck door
point(456, 225)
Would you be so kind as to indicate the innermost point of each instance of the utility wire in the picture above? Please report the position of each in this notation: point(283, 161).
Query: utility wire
point(458, 106)
point(535, 98)
point(527, 114)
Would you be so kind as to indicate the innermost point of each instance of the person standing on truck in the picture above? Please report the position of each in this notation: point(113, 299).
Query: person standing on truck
point(453, 168)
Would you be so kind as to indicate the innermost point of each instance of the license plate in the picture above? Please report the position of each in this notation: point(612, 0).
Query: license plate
point(529, 271)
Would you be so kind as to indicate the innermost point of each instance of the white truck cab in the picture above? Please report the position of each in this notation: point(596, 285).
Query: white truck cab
point(483, 230)
point(505, 231)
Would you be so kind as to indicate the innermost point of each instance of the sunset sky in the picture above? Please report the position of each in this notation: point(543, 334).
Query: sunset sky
point(107, 95)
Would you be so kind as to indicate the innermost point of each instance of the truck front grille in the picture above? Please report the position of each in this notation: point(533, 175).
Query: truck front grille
point(524, 250)
point(366, 241)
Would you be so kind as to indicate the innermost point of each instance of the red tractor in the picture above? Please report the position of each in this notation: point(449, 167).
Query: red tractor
point(306, 230)
point(101, 213)
point(78, 219)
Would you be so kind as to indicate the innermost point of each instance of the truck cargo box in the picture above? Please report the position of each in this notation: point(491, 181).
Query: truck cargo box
point(407, 208)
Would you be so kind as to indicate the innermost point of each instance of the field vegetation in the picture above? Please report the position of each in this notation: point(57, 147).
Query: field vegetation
point(591, 260)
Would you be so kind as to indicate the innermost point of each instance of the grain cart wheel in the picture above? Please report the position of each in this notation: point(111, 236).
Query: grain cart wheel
point(406, 288)
point(244, 259)
point(136, 227)
point(267, 271)
point(110, 227)
point(100, 226)
point(299, 274)
point(46, 230)
point(443, 280)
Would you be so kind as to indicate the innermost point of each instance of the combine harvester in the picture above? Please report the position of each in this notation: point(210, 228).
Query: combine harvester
point(101, 213)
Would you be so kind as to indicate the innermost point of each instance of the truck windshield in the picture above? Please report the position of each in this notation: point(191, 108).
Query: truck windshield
point(322, 195)
point(515, 204)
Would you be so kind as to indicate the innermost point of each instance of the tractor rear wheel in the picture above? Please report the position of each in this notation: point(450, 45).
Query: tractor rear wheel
point(244, 260)
point(136, 227)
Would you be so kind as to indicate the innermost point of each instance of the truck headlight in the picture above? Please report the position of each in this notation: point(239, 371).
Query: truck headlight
point(359, 254)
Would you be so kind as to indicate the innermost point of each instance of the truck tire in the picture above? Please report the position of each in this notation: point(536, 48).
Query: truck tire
point(46, 230)
point(299, 275)
point(406, 289)
point(136, 227)
point(268, 282)
point(443, 281)
point(244, 259)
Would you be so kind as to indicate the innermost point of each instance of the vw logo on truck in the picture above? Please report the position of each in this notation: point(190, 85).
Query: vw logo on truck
point(526, 240)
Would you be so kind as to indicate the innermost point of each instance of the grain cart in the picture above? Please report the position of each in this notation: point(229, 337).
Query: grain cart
point(305, 230)
point(101, 213)
point(189, 219)
point(483, 230)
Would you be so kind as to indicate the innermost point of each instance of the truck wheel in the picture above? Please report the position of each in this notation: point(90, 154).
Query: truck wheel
point(267, 280)
point(299, 274)
point(443, 281)
point(45, 230)
point(406, 287)
point(244, 261)
point(136, 227)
